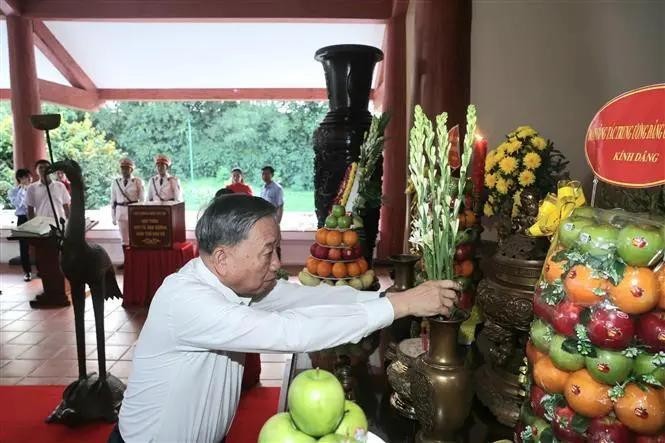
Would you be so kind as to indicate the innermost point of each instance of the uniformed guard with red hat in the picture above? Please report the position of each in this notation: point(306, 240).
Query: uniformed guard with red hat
point(125, 190)
point(163, 186)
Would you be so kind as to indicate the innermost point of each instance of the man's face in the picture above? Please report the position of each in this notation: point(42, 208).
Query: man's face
point(25, 180)
point(126, 171)
point(41, 170)
point(161, 168)
point(266, 176)
point(250, 267)
point(236, 177)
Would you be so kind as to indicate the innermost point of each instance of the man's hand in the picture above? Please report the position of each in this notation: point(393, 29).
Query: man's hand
point(431, 298)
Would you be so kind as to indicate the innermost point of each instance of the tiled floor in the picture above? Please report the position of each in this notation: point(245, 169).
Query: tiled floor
point(39, 346)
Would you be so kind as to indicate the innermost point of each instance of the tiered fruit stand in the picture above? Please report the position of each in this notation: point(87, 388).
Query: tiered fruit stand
point(597, 351)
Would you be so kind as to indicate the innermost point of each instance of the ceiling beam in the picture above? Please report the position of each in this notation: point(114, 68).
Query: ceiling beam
point(209, 10)
point(60, 57)
point(185, 94)
point(9, 7)
point(69, 96)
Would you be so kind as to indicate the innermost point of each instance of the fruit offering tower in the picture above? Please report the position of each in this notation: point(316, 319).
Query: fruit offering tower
point(336, 256)
point(596, 355)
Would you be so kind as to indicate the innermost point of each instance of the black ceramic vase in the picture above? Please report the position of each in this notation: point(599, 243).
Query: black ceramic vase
point(348, 70)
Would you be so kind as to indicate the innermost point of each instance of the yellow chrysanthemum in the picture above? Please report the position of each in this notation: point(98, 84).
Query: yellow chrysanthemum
point(539, 143)
point(490, 198)
point(502, 186)
point(513, 146)
point(527, 178)
point(490, 180)
point(490, 162)
point(488, 210)
point(532, 160)
point(508, 165)
point(525, 131)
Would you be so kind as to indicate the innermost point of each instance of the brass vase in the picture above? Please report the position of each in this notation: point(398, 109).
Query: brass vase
point(441, 387)
point(405, 278)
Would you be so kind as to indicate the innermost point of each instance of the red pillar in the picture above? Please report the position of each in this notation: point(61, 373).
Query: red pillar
point(28, 142)
point(393, 210)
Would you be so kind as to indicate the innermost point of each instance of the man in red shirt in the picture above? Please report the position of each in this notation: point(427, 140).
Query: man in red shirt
point(238, 183)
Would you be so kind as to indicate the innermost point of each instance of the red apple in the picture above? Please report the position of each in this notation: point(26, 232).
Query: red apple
point(535, 397)
point(651, 330)
point(348, 254)
point(312, 250)
point(463, 252)
point(650, 438)
point(566, 316)
point(541, 309)
point(321, 252)
point(357, 250)
point(465, 300)
point(610, 328)
point(608, 430)
point(562, 428)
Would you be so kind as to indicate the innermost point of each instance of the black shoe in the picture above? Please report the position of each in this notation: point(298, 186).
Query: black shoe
point(41, 303)
point(27, 276)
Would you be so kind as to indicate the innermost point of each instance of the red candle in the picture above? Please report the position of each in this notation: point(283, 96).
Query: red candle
point(478, 163)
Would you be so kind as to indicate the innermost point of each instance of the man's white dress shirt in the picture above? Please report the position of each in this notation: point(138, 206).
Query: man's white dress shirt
point(188, 362)
point(165, 188)
point(37, 197)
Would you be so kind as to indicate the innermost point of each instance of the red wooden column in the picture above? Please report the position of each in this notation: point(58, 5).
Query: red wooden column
point(393, 91)
point(28, 142)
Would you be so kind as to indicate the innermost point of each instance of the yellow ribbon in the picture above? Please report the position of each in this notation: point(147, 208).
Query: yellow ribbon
point(555, 208)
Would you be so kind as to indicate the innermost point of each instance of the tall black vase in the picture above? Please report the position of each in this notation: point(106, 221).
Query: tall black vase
point(348, 70)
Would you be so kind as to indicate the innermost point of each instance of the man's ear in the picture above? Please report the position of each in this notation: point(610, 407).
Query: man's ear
point(220, 257)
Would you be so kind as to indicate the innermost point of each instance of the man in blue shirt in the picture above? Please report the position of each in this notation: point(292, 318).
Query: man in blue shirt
point(17, 199)
point(272, 192)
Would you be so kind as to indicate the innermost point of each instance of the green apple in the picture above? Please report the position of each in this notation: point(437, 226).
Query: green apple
point(562, 359)
point(645, 364)
point(307, 279)
point(598, 240)
point(609, 367)
point(569, 229)
point(331, 222)
point(356, 283)
point(354, 421)
point(338, 210)
point(281, 429)
point(344, 222)
point(639, 245)
point(334, 438)
point(341, 283)
point(585, 211)
point(316, 402)
point(367, 279)
point(541, 335)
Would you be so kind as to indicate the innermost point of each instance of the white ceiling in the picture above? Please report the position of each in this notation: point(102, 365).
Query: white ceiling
point(197, 55)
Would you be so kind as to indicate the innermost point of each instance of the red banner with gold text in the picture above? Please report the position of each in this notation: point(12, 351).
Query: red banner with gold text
point(625, 142)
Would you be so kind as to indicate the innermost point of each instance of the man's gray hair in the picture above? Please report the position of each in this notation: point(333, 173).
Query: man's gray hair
point(228, 220)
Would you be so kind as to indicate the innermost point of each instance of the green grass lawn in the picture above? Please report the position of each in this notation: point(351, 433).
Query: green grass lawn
point(198, 193)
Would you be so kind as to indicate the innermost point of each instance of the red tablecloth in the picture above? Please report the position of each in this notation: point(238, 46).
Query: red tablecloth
point(146, 269)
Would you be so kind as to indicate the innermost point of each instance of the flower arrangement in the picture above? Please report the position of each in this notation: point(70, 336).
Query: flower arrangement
point(523, 160)
point(439, 195)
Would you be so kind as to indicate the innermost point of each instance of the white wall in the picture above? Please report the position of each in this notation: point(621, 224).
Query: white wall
point(553, 63)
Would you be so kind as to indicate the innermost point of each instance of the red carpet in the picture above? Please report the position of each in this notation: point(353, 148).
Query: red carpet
point(24, 408)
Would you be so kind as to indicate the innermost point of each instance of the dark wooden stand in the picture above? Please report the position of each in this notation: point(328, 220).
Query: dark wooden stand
point(47, 257)
point(156, 225)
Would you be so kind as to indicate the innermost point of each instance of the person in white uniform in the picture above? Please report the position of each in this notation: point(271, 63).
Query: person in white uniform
point(186, 377)
point(163, 186)
point(125, 190)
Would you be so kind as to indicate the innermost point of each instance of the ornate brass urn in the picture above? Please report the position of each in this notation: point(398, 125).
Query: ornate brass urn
point(441, 389)
point(506, 298)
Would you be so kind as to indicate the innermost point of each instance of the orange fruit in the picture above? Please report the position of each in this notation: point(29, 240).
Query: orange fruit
point(466, 268)
point(470, 218)
point(549, 377)
point(339, 270)
point(333, 238)
point(553, 269)
point(311, 265)
point(363, 265)
point(660, 276)
point(583, 288)
point(637, 292)
point(462, 222)
point(353, 269)
point(586, 396)
point(334, 254)
point(532, 353)
point(643, 411)
point(323, 269)
point(350, 238)
point(321, 235)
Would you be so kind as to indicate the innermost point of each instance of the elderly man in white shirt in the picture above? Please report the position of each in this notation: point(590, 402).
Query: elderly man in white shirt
point(188, 363)
point(36, 196)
